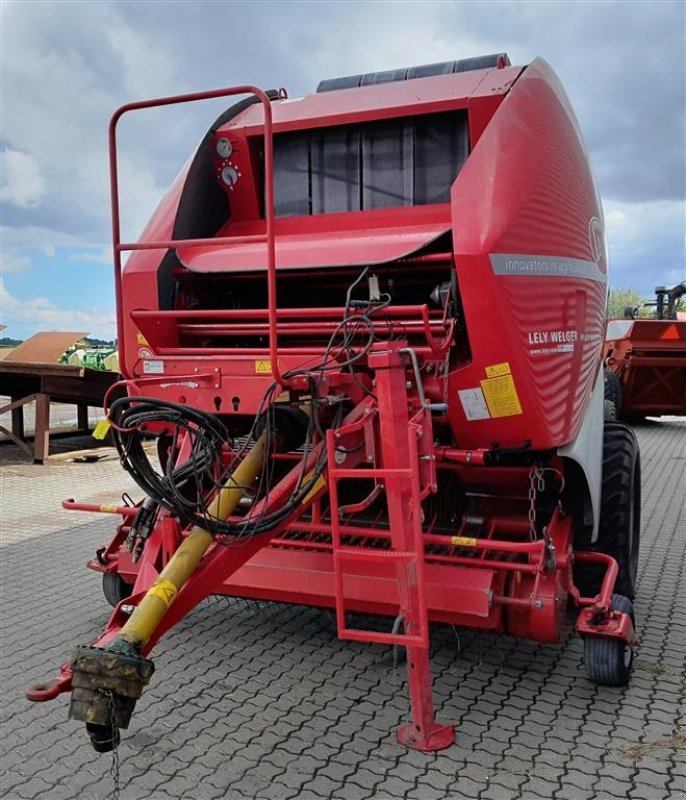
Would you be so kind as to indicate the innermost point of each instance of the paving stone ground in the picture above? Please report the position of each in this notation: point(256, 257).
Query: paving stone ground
point(256, 700)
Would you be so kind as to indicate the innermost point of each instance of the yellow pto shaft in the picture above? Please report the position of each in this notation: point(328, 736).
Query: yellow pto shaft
point(149, 612)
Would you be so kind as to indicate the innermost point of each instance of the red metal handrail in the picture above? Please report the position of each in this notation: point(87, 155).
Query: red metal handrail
point(268, 238)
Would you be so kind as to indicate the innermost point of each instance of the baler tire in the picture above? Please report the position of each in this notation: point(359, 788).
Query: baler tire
point(609, 411)
point(620, 507)
point(613, 390)
point(620, 513)
point(607, 661)
point(115, 588)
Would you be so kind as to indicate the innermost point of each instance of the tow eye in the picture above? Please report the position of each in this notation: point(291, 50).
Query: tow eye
point(105, 687)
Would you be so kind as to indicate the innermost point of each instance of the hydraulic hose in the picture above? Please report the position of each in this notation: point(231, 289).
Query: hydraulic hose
point(152, 608)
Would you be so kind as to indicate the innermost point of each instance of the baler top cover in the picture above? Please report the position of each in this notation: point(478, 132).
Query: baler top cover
point(386, 145)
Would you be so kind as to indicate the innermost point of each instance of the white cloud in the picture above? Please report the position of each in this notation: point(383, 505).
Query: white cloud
point(67, 66)
point(102, 256)
point(18, 244)
point(10, 262)
point(60, 90)
point(22, 183)
point(41, 314)
point(633, 229)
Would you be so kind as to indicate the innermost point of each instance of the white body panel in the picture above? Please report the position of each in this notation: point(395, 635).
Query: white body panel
point(587, 449)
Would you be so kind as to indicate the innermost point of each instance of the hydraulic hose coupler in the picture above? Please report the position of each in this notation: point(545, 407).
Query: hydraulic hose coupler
point(105, 687)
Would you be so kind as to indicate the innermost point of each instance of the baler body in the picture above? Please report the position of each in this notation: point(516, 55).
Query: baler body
point(410, 269)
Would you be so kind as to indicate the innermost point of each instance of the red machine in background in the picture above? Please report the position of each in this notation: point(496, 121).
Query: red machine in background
point(365, 328)
point(646, 359)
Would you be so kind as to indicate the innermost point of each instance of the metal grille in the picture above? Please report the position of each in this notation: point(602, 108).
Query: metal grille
point(400, 162)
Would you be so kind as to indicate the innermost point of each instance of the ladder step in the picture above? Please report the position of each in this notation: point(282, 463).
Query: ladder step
point(378, 637)
point(379, 474)
point(369, 554)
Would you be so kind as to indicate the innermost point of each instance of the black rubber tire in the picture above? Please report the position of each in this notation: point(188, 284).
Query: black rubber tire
point(115, 588)
point(609, 411)
point(608, 662)
point(620, 513)
point(613, 390)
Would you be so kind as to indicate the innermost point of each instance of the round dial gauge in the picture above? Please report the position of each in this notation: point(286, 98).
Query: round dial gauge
point(230, 175)
point(224, 148)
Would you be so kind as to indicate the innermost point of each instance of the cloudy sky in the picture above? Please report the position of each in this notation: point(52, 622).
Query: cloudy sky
point(67, 65)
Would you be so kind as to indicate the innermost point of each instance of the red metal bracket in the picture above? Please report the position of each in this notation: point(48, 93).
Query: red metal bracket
point(106, 508)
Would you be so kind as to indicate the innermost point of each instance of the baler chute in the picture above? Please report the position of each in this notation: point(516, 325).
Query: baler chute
point(365, 330)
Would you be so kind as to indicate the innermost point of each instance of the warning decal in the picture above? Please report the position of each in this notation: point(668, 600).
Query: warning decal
point(672, 332)
point(500, 392)
point(163, 590)
point(263, 367)
point(463, 541)
point(497, 370)
point(474, 404)
point(101, 429)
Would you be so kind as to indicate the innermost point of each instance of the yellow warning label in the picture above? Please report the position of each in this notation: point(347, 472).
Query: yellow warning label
point(496, 370)
point(141, 339)
point(164, 590)
point(318, 484)
point(101, 429)
point(263, 367)
point(463, 541)
point(501, 396)
point(107, 509)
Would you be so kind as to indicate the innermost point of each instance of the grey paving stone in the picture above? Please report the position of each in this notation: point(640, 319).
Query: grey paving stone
point(253, 700)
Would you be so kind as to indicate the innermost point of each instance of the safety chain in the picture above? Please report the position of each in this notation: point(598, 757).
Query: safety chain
point(114, 766)
point(536, 484)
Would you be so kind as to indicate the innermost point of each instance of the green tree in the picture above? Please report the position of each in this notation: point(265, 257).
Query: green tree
point(619, 299)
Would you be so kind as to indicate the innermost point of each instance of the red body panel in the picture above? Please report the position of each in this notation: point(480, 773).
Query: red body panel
point(380, 101)
point(527, 195)
point(327, 240)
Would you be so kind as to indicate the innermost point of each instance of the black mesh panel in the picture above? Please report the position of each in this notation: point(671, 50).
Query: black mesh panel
point(387, 165)
point(335, 170)
point(292, 175)
point(397, 162)
point(440, 147)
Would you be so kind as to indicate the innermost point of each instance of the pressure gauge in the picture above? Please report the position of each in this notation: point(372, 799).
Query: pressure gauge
point(230, 176)
point(224, 148)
